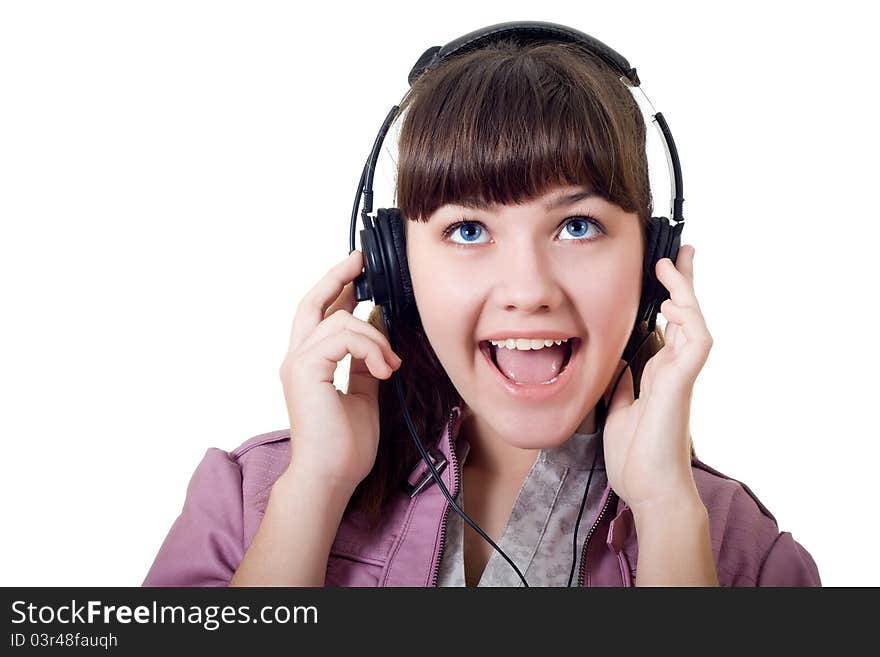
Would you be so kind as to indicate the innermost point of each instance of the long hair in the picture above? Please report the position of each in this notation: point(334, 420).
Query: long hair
point(501, 124)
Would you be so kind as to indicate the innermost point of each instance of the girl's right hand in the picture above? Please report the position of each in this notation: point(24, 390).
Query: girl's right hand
point(334, 435)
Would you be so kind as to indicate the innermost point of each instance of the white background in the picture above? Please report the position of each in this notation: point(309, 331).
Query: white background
point(174, 176)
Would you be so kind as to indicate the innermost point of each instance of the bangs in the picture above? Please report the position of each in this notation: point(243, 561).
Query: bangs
point(506, 124)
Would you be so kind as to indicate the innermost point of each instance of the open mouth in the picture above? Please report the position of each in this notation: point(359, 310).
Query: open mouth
point(490, 352)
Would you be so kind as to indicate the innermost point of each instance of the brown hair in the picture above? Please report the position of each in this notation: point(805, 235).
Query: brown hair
point(501, 124)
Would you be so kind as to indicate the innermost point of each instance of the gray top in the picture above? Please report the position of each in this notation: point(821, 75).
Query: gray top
point(538, 534)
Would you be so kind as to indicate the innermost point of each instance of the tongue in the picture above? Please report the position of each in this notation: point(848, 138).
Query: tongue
point(533, 366)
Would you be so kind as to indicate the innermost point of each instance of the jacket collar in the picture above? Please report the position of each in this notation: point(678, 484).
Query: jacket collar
point(423, 526)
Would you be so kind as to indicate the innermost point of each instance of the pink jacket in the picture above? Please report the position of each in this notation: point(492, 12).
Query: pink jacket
point(228, 493)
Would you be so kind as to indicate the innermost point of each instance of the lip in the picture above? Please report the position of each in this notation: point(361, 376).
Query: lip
point(537, 391)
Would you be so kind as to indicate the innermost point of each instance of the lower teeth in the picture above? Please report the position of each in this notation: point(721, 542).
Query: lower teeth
point(542, 383)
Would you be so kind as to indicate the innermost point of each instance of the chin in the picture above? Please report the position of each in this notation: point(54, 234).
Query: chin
point(536, 431)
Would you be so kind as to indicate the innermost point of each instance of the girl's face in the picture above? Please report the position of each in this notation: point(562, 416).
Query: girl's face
point(538, 267)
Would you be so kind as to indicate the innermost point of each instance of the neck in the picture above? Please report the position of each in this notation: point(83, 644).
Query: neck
point(588, 425)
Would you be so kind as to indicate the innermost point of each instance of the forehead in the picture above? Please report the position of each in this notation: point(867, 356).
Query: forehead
point(553, 199)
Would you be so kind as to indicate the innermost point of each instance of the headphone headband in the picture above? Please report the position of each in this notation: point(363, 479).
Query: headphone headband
point(524, 32)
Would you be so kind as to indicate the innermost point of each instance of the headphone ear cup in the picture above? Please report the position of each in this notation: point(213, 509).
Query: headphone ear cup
point(405, 302)
point(654, 234)
point(370, 285)
point(675, 241)
point(649, 279)
point(658, 292)
point(667, 248)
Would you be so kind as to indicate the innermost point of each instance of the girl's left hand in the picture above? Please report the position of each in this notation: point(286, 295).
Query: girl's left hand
point(647, 440)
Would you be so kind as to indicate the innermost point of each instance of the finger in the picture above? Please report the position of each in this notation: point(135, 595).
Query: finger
point(361, 382)
point(342, 319)
point(311, 309)
point(685, 261)
point(690, 321)
point(691, 342)
point(336, 346)
point(679, 285)
point(681, 261)
point(684, 264)
point(670, 330)
point(345, 301)
point(361, 377)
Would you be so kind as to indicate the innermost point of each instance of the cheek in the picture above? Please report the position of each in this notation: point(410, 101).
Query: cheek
point(615, 296)
point(449, 310)
point(608, 304)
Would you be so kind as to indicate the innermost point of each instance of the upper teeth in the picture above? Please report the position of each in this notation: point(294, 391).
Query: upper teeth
point(525, 344)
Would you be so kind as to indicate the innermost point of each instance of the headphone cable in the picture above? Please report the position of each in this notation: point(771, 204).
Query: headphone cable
point(600, 445)
point(436, 475)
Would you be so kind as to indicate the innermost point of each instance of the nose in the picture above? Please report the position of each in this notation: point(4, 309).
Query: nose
point(528, 281)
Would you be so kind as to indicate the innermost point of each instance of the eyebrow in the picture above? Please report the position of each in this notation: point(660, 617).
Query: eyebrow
point(560, 200)
point(563, 200)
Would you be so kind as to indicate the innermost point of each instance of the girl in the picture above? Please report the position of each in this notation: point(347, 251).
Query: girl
point(523, 178)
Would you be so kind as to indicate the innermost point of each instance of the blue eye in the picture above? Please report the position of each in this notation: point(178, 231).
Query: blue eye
point(470, 231)
point(582, 225)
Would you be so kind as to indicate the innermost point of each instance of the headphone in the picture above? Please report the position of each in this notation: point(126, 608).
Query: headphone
point(385, 279)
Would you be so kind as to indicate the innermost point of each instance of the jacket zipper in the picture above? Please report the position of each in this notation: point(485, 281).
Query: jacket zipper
point(583, 568)
point(455, 471)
